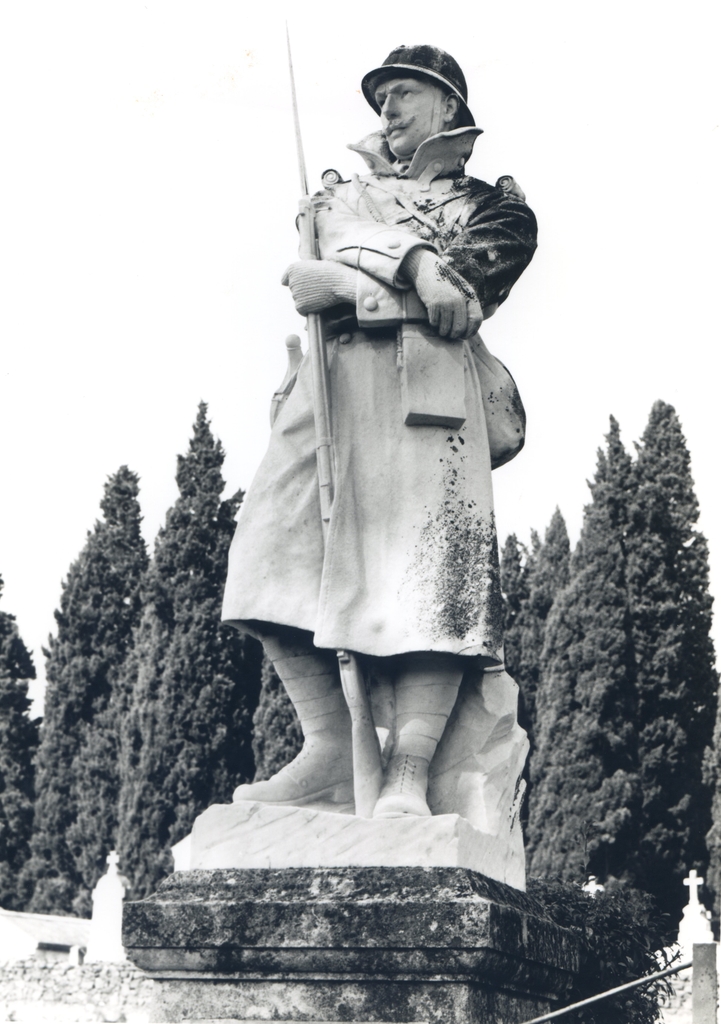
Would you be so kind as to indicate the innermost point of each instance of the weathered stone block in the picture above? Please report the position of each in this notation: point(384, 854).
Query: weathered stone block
point(434, 945)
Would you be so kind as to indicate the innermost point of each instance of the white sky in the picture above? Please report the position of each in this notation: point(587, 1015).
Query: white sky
point(148, 202)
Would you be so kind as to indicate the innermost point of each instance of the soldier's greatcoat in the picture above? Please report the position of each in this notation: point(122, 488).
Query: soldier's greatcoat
point(411, 561)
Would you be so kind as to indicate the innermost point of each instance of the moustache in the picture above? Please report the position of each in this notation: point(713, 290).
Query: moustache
point(397, 126)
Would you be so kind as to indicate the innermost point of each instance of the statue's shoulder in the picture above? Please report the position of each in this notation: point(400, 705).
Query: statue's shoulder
point(474, 188)
point(502, 203)
point(335, 195)
point(340, 189)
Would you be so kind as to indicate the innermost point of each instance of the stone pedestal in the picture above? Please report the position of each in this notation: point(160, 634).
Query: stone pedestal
point(254, 835)
point(435, 945)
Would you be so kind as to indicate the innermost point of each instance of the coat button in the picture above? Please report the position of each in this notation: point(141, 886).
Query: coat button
point(394, 244)
point(345, 338)
point(370, 303)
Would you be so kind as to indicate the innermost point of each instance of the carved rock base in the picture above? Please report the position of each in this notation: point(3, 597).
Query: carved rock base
point(254, 835)
point(427, 945)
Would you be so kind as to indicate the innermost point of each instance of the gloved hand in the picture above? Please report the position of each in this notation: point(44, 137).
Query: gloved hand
point(453, 306)
point(319, 284)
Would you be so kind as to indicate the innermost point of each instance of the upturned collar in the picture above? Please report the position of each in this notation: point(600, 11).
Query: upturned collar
point(441, 155)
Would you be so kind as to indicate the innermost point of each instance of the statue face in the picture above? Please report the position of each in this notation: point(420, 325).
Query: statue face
point(413, 109)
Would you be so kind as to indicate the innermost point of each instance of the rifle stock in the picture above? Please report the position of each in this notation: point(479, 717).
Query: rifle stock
point(367, 768)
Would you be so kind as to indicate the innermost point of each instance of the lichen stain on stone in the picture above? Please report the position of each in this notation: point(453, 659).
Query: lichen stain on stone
point(452, 446)
point(516, 404)
point(456, 571)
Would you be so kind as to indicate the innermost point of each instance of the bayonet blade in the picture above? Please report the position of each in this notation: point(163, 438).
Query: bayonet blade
point(296, 121)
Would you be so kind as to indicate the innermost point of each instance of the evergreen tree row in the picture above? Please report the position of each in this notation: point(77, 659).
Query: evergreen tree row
point(612, 651)
point(192, 684)
point(154, 710)
point(149, 700)
point(78, 776)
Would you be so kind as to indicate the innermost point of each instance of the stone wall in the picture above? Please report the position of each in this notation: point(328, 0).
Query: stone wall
point(678, 1009)
point(34, 991)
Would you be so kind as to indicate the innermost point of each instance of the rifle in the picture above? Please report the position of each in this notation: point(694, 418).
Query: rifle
point(367, 768)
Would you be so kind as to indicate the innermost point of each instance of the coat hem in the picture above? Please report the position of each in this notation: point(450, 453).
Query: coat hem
point(258, 628)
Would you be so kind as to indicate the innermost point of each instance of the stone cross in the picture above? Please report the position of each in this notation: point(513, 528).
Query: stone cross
point(112, 859)
point(694, 927)
point(694, 883)
point(592, 886)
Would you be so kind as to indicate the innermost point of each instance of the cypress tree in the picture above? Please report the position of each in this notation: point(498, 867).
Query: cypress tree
point(712, 777)
point(676, 680)
point(195, 683)
point(516, 568)
point(77, 766)
point(549, 576)
point(585, 798)
point(18, 745)
point(530, 587)
point(277, 733)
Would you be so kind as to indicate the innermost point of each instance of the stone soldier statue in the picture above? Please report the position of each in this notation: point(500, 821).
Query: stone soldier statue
point(414, 253)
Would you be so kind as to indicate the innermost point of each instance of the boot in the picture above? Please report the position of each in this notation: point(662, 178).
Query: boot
point(425, 693)
point(404, 789)
point(323, 770)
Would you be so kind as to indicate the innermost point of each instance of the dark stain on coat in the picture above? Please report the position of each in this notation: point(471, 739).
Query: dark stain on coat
point(457, 572)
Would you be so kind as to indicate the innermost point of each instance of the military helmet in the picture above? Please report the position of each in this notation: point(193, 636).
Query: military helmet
point(421, 61)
